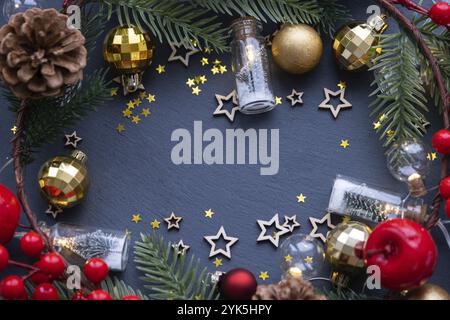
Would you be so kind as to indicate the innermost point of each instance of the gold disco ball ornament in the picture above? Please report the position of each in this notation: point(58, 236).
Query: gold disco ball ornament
point(355, 44)
point(428, 291)
point(345, 245)
point(64, 180)
point(130, 52)
point(297, 48)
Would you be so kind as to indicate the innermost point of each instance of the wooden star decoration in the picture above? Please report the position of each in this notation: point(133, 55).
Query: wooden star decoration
point(295, 97)
point(173, 221)
point(290, 223)
point(53, 211)
point(273, 238)
point(315, 222)
point(221, 234)
point(72, 140)
point(335, 110)
point(180, 248)
point(184, 60)
point(220, 110)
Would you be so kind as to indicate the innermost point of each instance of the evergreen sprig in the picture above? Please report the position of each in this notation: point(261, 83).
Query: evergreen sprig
point(174, 21)
point(171, 276)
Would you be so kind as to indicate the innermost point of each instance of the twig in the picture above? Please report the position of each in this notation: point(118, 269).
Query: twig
point(415, 32)
point(22, 265)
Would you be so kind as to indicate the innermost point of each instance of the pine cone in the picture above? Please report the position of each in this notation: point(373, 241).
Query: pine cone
point(40, 55)
point(290, 288)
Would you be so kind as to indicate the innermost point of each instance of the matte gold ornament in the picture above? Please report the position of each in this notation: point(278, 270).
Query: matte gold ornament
point(64, 180)
point(428, 292)
point(297, 48)
point(345, 244)
point(130, 52)
point(355, 44)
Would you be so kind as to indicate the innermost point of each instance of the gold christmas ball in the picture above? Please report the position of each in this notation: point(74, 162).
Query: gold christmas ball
point(297, 48)
point(428, 292)
point(355, 44)
point(64, 180)
point(345, 244)
point(128, 49)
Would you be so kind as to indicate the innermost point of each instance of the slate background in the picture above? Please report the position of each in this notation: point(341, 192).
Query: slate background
point(133, 173)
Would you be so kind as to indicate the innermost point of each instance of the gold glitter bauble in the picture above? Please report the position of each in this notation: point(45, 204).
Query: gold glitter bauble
point(355, 44)
point(130, 51)
point(64, 179)
point(345, 244)
point(297, 48)
point(428, 292)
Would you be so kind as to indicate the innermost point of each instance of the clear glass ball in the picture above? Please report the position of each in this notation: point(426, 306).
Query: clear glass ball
point(407, 157)
point(302, 255)
point(11, 7)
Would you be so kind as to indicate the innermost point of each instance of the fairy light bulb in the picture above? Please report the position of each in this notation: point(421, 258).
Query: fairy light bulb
point(407, 162)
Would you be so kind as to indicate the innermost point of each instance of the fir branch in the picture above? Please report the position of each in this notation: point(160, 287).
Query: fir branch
point(333, 14)
point(347, 294)
point(173, 21)
point(93, 23)
point(171, 276)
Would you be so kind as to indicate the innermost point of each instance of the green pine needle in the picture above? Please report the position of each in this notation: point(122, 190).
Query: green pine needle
point(171, 277)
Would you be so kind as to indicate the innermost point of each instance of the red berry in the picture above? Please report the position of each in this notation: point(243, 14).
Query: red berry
point(45, 291)
point(4, 257)
point(78, 296)
point(99, 295)
point(444, 188)
point(52, 264)
point(9, 214)
point(404, 251)
point(440, 13)
point(131, 297)
point(96, 270)
point(441, 141)
point(12, 288)
point(31, 244)
point(238, 284)
point(40, 277)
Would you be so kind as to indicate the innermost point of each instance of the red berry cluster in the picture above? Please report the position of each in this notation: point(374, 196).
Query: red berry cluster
point(440, 13)
point(441, 142)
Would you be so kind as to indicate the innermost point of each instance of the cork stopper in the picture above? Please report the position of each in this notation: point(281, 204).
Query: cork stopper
point(79, 155)
point(417, 213)
point(245, 27)
point(416, 186)
point(378, 23)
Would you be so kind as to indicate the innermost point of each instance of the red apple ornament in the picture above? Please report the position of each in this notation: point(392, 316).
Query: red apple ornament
point(9, 214)
point(404, 251)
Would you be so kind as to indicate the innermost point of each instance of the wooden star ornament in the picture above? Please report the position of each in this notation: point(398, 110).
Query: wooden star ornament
point(173, 221)
point(273, 238)
point(325, 104)
point(220, 108)
point(315, 224)
point(184, 60)
point(295, 97)
point(72, 140)
point(212, 241)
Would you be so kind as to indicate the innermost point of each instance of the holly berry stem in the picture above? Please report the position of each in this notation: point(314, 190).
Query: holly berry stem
point(24, 226)
point(30, 274)
point(22, 265)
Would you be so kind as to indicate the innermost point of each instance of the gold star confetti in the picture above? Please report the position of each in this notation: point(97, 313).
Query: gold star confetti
point(217, 62)
point(379, 50)
point(217, 262)
point(209, 213)
point(201, 79)
point(204, 61)
point(137, 102)
point(155, 224)
point(432, 156)
point(142, 94)
point(342, 85)
point(215, 70)
point(288, 258)
point(127, 113)
point(376, 125)
point(161, 69)
point(208, 50)
point(136, 119)
point(278, 101)
point(146, 112)
point(344, 144)
point(264, 275)
point(223, 69)
point(301, 198)
point(120, 128)
point(308, 260)
point(136, 218)
point(383, 117)
point(390, 133)
point(130, 104)
point(196, 90)
point(190, 82)
point(151, 98)
point(114, 91)
point(14, 129)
